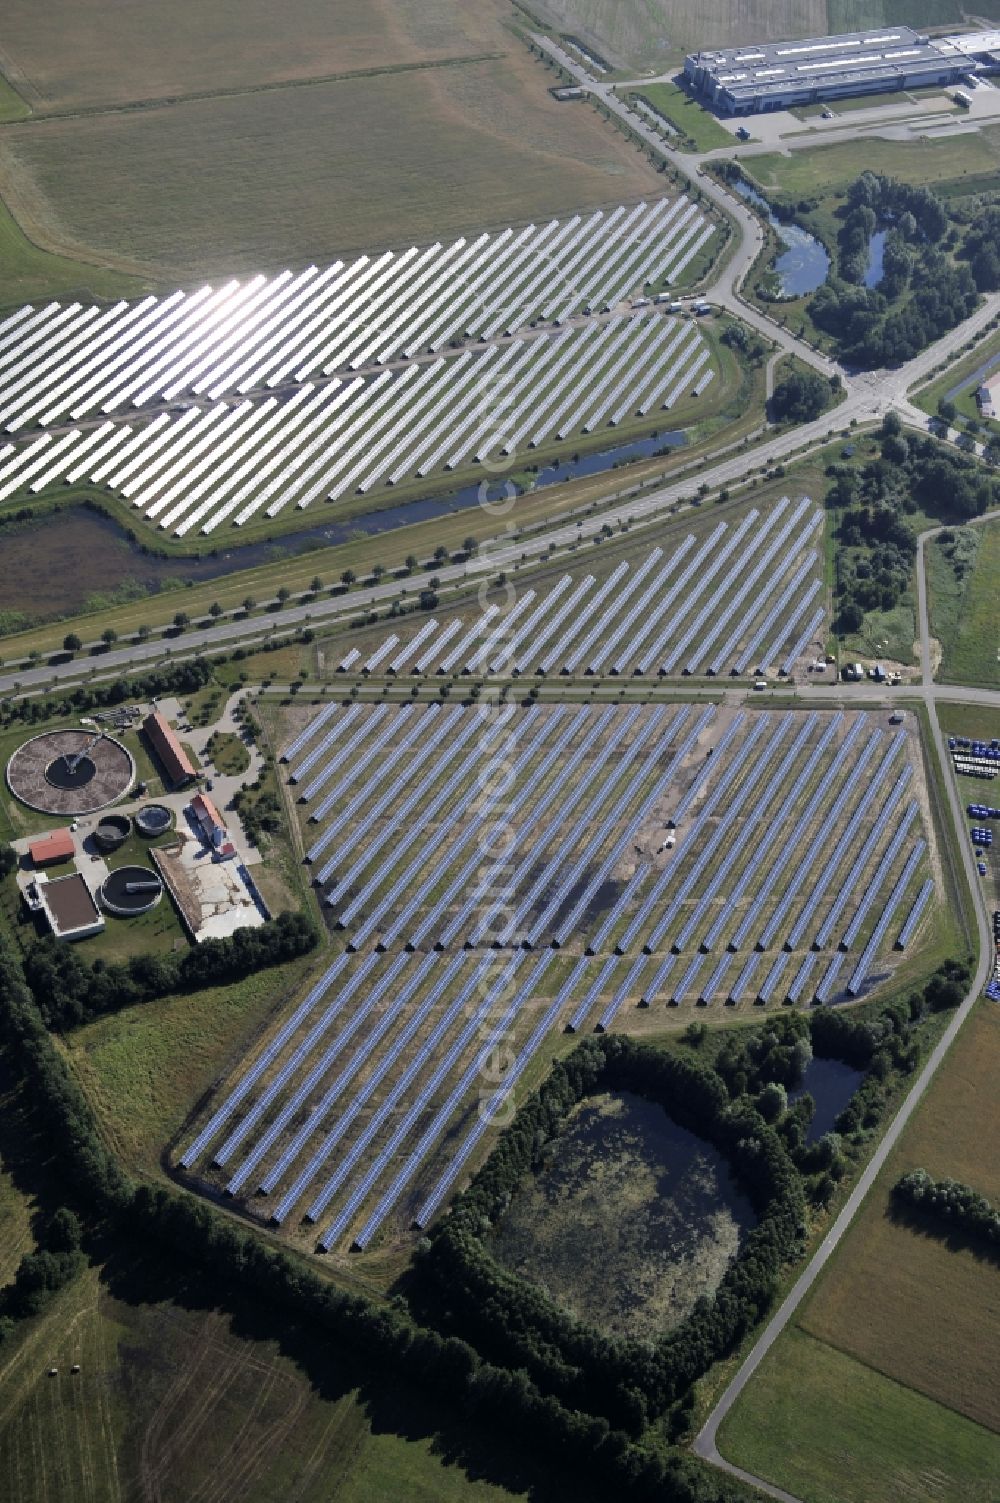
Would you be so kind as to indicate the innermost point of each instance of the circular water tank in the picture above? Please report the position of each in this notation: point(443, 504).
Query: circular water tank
point(112, 831)
point(129, 890)
point(154, 819)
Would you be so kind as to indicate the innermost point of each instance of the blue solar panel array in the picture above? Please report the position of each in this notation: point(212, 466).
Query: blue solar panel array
point(344, 1112)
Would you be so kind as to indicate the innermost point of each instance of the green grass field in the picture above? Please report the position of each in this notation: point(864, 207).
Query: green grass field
point(832, 1430)
point(28, 273)
point(964, 613)
point(144, 1068)
point(697, 124)
point(932, 161)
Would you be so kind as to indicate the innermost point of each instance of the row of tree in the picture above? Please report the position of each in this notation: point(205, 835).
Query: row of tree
point(177, 678)
point(70, 990)
point(380, 1341)
point(54, 1263)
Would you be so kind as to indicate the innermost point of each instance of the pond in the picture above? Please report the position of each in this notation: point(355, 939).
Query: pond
point(630, 1220)
point(804, 266)
point(876, 252)
point(831, 1084)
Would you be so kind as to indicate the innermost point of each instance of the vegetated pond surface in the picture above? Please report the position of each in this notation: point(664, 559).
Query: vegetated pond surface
point(630, 1220)
point(831, 1084)
point(876, 252)
point(804, 266)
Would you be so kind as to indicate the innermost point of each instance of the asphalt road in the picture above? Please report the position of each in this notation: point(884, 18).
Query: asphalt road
point(706, 1443)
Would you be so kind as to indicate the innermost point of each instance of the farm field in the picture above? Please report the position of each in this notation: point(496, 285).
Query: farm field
point(619, 893)
point(283, 176)
point(834, 1430)
point(73, 57)
point(644, 36)
point(171, 1393)
point(964, 611)
point(908, 1306)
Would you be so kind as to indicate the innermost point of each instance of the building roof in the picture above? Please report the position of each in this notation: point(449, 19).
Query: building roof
point(56, 846)
point(206, 812)
point(178, 765)
point(887, 55)
point(69, 905)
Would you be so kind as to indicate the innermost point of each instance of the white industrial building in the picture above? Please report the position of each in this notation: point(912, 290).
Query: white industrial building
point(780, 75)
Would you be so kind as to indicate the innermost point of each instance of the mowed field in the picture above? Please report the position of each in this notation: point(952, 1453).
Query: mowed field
point(79, 54)
point(942, 160)
point(846, 1434)
point(905, 1305)
point(172, 1406)
point(267, 176)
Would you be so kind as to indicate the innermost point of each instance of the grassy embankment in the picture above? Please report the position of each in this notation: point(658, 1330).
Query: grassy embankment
point(961, 375)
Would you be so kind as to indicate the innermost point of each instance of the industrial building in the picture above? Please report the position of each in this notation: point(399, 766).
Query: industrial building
point(779, 75)
point(174, 759)
point(212, 826)
point(67, 905)
point(48, 849)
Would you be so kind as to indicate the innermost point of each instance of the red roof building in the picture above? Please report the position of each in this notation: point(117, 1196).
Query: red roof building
point(212, 826)
point(175, 760)
point(57, 846)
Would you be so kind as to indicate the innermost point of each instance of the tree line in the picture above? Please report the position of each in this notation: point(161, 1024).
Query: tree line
point(177, 678)
point(947, 1205)
point(382, 1342)
point(513, 1322)
point(70, 990)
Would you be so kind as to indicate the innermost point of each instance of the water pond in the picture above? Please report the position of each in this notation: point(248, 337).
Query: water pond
point(804, 266)
point(876, 252)
point(831, 1084)
point(630, 1220)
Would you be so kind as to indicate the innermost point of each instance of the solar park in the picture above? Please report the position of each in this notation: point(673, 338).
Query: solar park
point(231, 404)
point(731, 597)
point(653, 857)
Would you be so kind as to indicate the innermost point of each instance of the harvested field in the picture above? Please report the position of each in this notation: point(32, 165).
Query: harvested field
point(908, 1304)
point(246, 182)
point(74, 54)
point(640, 33)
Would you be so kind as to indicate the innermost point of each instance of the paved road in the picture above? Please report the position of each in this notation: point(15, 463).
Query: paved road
point(706, 1443)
